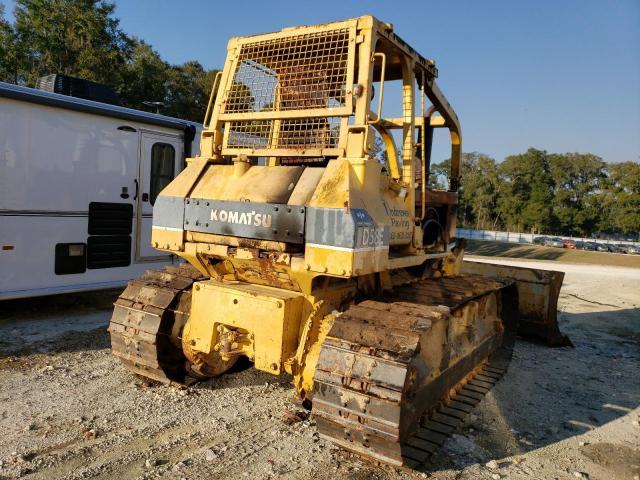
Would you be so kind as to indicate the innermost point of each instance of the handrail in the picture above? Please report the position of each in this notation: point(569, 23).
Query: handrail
point(381, 94)
point(390, 145)
point(423, 162)
point(207, 115)
point(453, 124)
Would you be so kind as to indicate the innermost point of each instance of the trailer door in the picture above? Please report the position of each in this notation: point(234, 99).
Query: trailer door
point(161, 158)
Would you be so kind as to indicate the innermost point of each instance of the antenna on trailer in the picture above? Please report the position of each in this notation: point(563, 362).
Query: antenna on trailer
point(157, 105)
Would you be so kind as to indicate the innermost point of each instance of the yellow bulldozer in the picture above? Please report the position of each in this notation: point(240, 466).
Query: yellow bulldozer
point(311, 256)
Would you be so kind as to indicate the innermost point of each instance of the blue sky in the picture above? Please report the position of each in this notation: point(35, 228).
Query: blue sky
point(555, 75)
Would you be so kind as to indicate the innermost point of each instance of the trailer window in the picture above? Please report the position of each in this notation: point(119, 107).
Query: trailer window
point(163, 160)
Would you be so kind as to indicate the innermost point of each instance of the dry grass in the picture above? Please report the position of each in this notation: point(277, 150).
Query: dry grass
point(535, 252)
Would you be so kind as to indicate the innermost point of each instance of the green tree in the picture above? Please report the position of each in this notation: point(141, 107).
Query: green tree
point(183, 90)
point(8, 50)
point(188, 91)
point(144, 77)
point(73, 37)
point(577, 179)
point(619, 199)
point(82, 38)
point(478, 192)
point(526, 198)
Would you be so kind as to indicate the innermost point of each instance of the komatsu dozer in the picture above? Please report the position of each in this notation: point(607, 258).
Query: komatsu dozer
point(311, 255)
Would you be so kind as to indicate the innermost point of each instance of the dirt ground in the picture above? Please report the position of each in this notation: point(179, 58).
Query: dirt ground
point(69, 410)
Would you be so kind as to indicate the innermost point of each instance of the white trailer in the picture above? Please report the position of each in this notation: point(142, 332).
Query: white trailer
point(78, 180)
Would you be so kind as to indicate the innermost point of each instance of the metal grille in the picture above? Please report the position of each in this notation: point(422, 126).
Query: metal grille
point(291, 73)
point(250, 134)
point(307, 133)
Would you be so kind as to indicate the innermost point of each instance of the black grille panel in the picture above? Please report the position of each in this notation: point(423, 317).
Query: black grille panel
point(110, 218)
point(108, 251)
point(109, 242)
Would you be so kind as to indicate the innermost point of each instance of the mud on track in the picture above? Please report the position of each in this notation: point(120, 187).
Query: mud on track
point(69, 410)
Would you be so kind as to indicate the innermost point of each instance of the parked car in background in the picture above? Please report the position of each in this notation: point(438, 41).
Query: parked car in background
point(556, 242)
point(633, 249)
point(618, 248)
point(569, 243)
point(623, 247)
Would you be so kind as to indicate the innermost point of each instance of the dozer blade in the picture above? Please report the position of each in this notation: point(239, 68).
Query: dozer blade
point(537, 292)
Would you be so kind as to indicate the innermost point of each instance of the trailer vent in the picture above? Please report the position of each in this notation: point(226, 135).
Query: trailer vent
point(78, 87)
point(110, 218)
point(108, 251)
point(109, 242)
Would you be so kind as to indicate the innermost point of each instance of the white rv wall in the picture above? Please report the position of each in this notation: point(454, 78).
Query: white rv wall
point(53, 163)
point(51, 158)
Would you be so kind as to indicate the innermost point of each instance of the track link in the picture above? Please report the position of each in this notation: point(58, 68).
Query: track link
point(147, 322)
point(364, 399)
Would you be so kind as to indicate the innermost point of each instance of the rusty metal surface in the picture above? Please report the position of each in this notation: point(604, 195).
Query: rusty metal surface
point(147, 322)
point(365, 397)
point(537, 297)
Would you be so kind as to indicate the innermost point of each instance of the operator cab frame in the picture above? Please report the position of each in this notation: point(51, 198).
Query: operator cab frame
point(290, 128)
point(318, 112)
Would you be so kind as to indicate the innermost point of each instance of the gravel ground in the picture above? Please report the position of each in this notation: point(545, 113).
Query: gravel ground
point(68, 409)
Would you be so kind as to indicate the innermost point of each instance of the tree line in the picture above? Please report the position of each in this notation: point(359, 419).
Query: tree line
point(573, 194)
point(82, 38)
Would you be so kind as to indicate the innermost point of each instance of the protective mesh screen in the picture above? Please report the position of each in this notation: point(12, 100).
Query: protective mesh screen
point(291, 73)
point(307, 133)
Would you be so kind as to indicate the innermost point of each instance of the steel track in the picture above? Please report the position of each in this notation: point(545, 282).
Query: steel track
point(362, 399)
point(149, 316)
point(147, 322)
